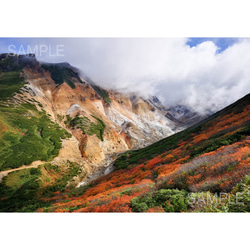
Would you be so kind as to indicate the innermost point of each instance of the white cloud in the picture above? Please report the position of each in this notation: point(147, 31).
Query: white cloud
point(199, 76)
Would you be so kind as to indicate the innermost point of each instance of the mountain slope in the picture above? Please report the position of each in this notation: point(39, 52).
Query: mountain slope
point(103, 122)
point(78, 128)
point(210, 157)
point(48, 113)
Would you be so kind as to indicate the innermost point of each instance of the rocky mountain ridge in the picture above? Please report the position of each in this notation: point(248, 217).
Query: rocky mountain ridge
point(102, 122)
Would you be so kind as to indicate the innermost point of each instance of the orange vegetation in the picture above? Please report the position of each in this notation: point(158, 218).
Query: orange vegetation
point(219, 170)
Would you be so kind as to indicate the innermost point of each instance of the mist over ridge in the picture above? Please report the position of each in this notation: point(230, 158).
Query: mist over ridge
point(202, 75)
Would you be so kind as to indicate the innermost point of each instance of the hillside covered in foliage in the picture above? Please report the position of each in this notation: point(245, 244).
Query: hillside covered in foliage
point(212, 156)
point(203, 168)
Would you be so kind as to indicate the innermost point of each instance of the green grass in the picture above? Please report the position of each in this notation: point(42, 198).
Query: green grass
point(26, 134)
point(36, 136)
point(10, 83)
point(22, 190)
point(19, 191)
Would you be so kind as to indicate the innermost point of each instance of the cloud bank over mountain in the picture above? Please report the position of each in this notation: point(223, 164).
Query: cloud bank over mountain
point(201, 75)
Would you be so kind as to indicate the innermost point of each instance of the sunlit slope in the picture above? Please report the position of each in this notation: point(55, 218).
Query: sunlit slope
point(211, 156)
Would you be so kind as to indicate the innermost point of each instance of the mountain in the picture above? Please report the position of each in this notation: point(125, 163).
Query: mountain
point(51, 115)
point(186, 115)
point(101, 122)
point(204, 168)
point(66, 144)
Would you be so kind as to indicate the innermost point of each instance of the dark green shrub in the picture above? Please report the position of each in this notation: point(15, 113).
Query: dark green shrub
point(138, 206)
point(61, 73)
point(172, 200)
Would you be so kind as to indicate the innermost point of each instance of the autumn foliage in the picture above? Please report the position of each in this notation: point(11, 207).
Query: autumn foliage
point(221, 160)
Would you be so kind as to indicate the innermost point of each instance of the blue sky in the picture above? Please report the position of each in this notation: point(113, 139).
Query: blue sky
point(220, 42)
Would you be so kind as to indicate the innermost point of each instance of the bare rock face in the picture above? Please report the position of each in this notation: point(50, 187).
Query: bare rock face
point(102, 122)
